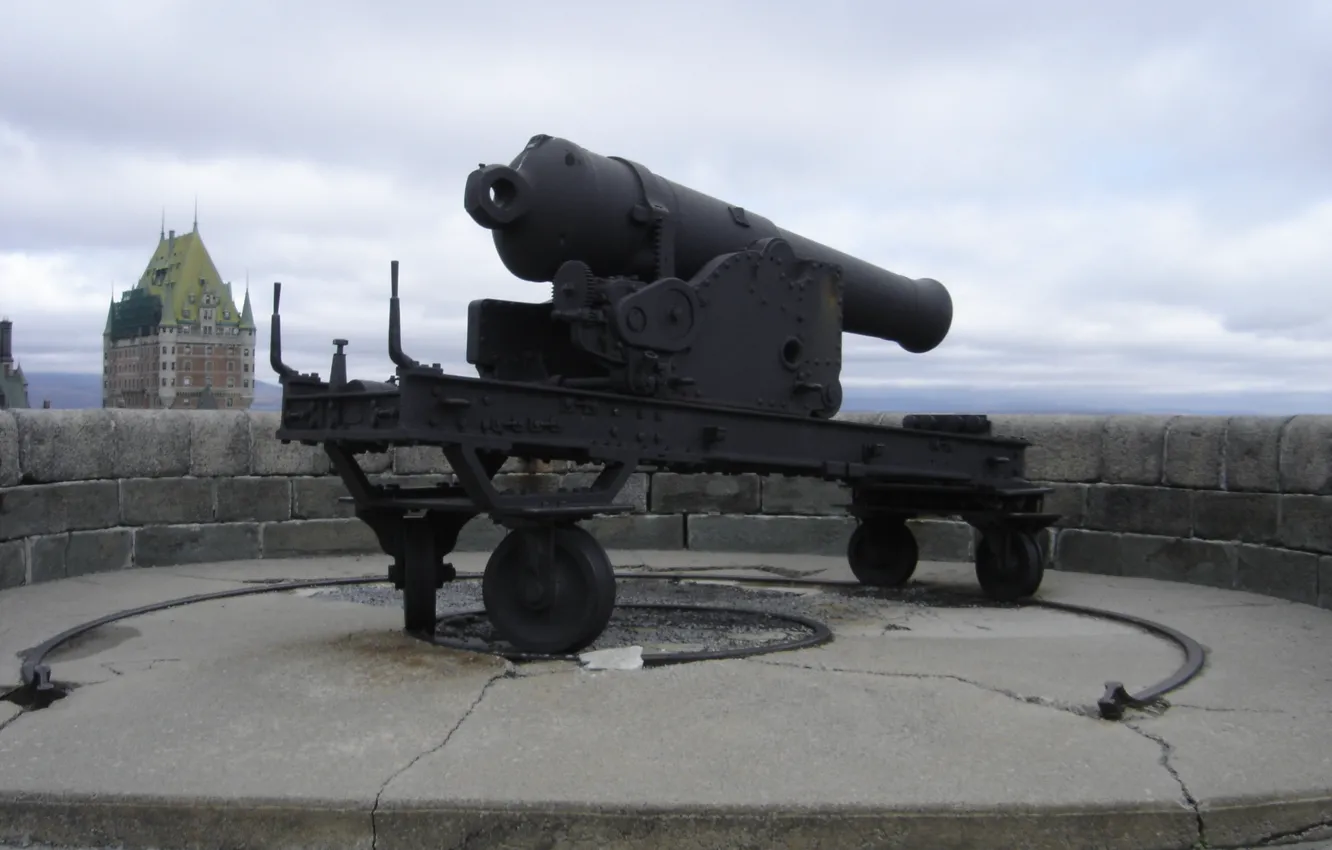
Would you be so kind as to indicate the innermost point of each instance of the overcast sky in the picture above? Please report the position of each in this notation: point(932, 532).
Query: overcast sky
point(1134, 196)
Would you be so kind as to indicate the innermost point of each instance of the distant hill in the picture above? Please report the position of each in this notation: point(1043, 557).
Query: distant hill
point(69, 391)
point(78, 390)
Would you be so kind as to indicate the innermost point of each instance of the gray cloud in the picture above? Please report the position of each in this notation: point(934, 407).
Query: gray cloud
point(1133, 196)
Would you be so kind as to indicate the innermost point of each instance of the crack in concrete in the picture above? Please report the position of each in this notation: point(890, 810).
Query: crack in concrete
point(1043, 702)
point(374, 809)
point(1168, 749)
point(1306, 832)
point(135, 666)
point(1224, 710)
point(5, 724)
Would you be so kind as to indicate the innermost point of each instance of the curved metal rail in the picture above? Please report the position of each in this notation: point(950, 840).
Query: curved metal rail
point(36, 682)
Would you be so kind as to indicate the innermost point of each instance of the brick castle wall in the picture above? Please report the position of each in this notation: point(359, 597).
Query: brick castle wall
point(1239, 502)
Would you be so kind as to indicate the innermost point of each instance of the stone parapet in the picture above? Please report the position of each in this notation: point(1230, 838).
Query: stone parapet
point(1238, 502)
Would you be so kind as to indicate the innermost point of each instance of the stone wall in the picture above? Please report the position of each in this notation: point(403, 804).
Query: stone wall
point(1243, 502)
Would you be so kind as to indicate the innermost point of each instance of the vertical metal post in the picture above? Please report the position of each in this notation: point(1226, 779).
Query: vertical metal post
point(418, 579)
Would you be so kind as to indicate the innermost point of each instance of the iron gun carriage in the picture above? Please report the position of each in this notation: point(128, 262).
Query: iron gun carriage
point(682, 334)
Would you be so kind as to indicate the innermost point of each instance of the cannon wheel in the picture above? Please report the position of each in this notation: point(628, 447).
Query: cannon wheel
point(549, 590)
point(1009, 564)
point(883, 553)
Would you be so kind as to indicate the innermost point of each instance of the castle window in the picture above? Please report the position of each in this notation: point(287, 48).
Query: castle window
point(186, 381)
point(164, 382)
point(231, 382)
point(228, 401)
point(187, 366)
point(210, 350)
point(226, 314)
point(245, 382)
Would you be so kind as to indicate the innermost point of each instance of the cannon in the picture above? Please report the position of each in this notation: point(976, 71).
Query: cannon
point(682, 333)
point(660, 291)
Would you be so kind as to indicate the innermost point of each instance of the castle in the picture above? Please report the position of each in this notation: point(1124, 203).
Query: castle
point(177, 340)
point(13, 386)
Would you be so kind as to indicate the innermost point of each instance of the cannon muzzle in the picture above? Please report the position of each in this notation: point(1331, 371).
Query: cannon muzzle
point(558, 202)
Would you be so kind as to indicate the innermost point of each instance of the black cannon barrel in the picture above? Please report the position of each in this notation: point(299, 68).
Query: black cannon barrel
point(557, 202)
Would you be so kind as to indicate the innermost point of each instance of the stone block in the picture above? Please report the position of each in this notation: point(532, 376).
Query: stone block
point(803, 496)
point(1067, 500)
point(13, 564)
point(1142, 510)
point(253, 499)
point(1194, 452)
point(268, 455)
point(1253, 453)
point(166, 501)
point(46, 556)
point(1133, 447)
point(806, 535)
point(9, 450)
point(1325, 582)
point(704, 493)
point(638, 531)
point(942, 540)
point(480, 534)
point(169, 545)
point(65, 445)
point(1306, 455)
point(318, 537)
point(1064, 448)
point(1277, 572)
point(317, 498)
point(421, 460)
point(219, 443)
point(634, 492)
point(150, 443)
point(1079, 551)
point(54, 508)
point(1201, 562)
point(1246, 517)
point(1045, 541)
point(108, 550)
point(1306, 523)
point(374, 463)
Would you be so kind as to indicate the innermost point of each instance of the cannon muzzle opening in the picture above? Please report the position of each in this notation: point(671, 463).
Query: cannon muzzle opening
point(496, 196)
point(558, 202)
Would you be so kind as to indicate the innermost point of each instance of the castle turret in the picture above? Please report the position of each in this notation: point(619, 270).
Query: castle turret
point(13, 384)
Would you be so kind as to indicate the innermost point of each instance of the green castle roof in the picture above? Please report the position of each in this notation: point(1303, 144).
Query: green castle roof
point(172, 288)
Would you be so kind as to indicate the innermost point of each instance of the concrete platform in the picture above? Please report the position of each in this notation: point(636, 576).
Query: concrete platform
point(287, 721)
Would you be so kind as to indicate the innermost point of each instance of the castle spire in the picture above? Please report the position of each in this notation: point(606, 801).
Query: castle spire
point(162, 234)
point(196, 212)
